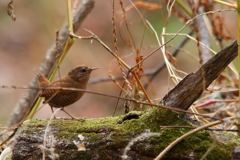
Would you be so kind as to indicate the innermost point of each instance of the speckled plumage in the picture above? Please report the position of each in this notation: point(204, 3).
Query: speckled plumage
point(59, 98)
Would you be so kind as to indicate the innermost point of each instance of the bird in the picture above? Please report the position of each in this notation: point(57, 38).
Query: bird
point(77, 78)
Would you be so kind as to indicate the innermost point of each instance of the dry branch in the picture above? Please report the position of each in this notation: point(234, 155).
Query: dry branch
point(192, 86)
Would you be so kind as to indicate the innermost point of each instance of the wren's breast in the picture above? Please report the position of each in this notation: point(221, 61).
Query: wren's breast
point(63, 100)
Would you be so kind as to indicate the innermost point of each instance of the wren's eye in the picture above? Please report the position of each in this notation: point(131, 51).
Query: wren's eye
point(84, 70)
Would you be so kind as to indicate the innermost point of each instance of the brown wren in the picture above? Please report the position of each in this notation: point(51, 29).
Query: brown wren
point(77, 78)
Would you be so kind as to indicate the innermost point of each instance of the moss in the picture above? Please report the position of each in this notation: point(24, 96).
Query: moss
point(163, 117)
point(132, 126)
point(106, 134)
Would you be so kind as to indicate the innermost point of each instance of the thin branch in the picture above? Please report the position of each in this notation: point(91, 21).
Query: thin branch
point(209, 129)
point(112, 96)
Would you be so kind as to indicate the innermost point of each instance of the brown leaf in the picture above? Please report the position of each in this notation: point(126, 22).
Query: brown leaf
point(172, 59)
point(148, 5)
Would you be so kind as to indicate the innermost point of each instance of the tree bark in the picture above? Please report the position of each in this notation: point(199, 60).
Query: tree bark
point(192, 86)
point(106, 138)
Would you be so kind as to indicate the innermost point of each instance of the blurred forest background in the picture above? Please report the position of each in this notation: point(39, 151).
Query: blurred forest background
point(24, 42)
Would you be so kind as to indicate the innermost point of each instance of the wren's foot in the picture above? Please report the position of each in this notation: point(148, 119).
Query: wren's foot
point(57, 118)
point(72, 117)
point(67, 118)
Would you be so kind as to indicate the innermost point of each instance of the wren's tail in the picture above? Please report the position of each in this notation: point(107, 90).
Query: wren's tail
point(42, 80)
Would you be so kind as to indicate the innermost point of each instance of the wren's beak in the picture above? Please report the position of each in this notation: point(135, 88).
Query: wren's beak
point(94, 68)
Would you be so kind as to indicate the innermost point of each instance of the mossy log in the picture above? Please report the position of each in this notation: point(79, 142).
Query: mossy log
point(107, 138)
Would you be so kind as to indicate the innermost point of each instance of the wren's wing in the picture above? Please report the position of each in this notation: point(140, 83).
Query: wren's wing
point(53, 90)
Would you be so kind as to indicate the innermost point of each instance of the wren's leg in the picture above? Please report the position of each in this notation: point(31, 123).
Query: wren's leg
point(70, 114)
point(53, 113)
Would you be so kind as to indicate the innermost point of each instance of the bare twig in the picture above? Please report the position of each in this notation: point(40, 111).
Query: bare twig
point(112, 96)
point(117, 49)
point(209, 129)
